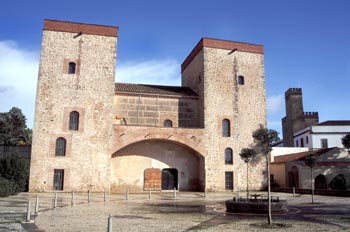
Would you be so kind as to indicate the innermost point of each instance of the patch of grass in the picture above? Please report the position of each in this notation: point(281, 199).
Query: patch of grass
point(271, 226)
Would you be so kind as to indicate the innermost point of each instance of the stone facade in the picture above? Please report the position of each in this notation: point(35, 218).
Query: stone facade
point(142, 137)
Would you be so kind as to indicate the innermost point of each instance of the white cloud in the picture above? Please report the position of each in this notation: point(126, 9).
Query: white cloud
point(157, 72)
point(275, 103)
point(18, 76)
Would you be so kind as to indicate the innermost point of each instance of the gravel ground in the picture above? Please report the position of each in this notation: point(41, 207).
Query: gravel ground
point(188, 212)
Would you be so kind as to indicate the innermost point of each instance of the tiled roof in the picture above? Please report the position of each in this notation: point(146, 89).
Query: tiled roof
point(154, 89)
point(300, 155)
point(335, 123)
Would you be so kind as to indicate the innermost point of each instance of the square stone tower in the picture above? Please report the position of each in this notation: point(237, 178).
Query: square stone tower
point(229, 78)
point(73, 114)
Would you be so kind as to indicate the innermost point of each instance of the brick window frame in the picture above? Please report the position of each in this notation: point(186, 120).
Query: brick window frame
point(220, 120)
point(53, 139)
point(66, 63)
point(66, 117)
point(66, 180)
point(171, 117)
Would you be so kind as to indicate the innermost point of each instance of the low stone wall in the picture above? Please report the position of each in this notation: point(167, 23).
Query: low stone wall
point(317, 191)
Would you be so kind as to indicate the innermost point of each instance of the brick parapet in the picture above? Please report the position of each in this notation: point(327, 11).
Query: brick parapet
point(221, 44)
point(93, 29)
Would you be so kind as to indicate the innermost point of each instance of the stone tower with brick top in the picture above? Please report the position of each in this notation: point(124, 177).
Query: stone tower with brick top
point(73, 114)
point(229, 78)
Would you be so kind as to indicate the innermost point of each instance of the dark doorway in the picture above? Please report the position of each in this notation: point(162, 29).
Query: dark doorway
point(293, 177)
point(58, 179)
point(320, 182)
point(169, 179)
point(229, 180)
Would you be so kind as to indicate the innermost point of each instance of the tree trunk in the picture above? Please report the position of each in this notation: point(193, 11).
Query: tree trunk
point(268, 190)
point(312, 186)
point(247, 183)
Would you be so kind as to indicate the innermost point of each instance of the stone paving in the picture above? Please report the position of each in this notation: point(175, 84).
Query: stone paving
point(187, 212)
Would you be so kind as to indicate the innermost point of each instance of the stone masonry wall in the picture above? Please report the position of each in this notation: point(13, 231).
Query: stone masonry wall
point(91, 90)
point(152, 110)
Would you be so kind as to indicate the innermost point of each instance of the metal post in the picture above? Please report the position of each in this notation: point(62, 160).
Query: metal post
point(89, 196)
point(205, 193)
point(238, 193)
point(104, 196)
point(149, 194)
point(72, 197)
point(55, 202)
point(36, 205)
point(109, 227)
point(293, 191)
point(174, 192)
point(127, 194)
point(28, 211)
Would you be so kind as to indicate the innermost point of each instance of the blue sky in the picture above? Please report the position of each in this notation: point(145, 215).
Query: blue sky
point(307, 44)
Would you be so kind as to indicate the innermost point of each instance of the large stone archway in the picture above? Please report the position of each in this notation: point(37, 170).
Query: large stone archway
point(130, 164)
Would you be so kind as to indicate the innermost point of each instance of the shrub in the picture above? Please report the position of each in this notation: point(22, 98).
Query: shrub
point(7, 187)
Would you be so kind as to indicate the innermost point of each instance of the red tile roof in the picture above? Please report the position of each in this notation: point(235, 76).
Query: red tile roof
point(299, 155)
point(154, 90)
point(335, 123)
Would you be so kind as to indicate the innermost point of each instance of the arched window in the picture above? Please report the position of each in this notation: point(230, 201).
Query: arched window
point(226, 131)
point(168, 123)
point(71, 68)
point(241, 80)
point(60, 147)
point(74, 120)
point(228, 156)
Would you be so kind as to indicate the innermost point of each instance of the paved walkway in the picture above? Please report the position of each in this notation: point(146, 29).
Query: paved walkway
point(188, 212)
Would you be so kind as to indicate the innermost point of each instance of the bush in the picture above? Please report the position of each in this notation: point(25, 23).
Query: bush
point(7, 187)
point(15, 169)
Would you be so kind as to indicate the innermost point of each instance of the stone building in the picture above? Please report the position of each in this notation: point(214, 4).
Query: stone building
point(91, 133)
point(296, 119)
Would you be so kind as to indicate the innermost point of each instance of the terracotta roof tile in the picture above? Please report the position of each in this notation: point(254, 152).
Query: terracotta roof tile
point(154, 89)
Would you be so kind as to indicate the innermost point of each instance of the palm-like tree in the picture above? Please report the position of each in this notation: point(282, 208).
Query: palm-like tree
point(247, 155)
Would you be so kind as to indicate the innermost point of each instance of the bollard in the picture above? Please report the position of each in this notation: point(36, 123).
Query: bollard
point(238, 193)
point(55, 202)
point(205, 193)
point(104, 196)
point(109, 227)
point(149, 194)
point(72, 198)
point(89, 196)
point(127, 194)
point(174, 192)
point(293, 191)
point(28, 212)
point(36, 205)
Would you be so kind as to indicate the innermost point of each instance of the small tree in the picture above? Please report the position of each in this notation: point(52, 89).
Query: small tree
point(310, 160)
point(247, 155)
point(346, 141)
point(264, 139)
point(12, 126)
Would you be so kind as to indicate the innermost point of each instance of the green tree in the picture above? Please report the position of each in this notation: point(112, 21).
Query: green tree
point(264, 138)
point(15, 168)
point(346, 141)
point(12, 127)
point(310, 160)
point(247, 154)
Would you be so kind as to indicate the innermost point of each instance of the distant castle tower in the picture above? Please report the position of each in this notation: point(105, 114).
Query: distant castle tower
point(296, 119)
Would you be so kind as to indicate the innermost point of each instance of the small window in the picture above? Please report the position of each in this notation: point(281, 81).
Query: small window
point(324, 143)
point(168, 123)
point(226, 131)
point(241, 80)
point(229, 180)
point(58, 179)
point(74, 120)
point(228, 156)
point(60, 147)
point(71, 68)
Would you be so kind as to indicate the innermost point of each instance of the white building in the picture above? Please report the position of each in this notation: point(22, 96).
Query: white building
point(324, 135)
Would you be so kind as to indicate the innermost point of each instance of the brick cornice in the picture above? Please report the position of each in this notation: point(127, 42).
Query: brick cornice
point(93, 29)
point(221, 44)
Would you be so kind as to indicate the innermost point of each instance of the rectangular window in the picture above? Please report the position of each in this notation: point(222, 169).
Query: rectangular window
point(302, 142)
point(307, 139)
point(229, 180)
point(58, 178)
point(296, 143)
point(324, 143)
